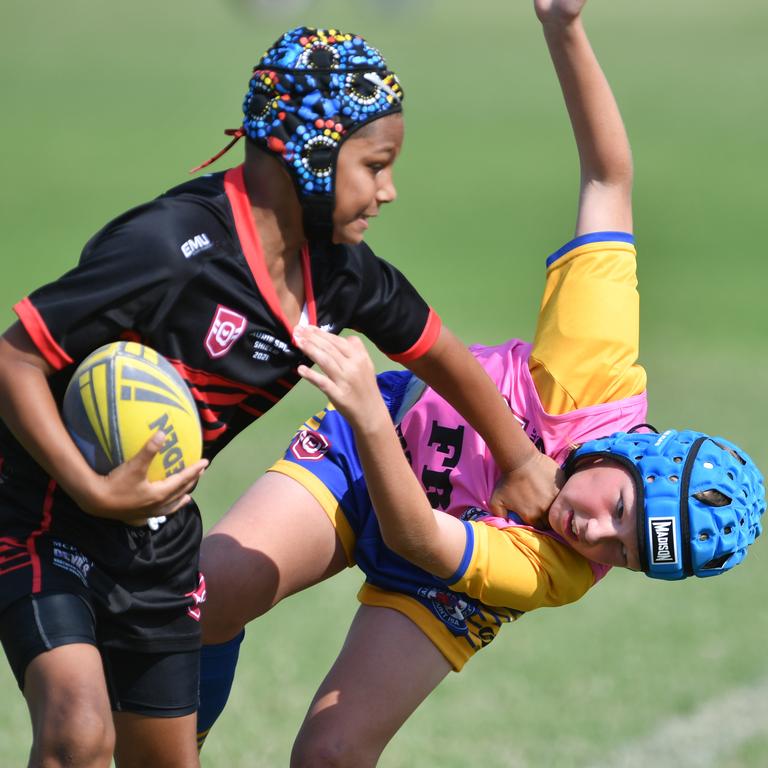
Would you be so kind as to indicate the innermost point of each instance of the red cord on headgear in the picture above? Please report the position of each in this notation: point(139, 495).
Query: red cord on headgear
point(238, 133)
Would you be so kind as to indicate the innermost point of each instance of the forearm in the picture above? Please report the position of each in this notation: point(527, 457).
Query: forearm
point(29, 410)
point(408, 523)
point(604, 151)
point(454, 373)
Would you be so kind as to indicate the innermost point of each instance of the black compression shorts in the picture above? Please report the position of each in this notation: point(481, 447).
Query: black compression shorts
point(151, 684)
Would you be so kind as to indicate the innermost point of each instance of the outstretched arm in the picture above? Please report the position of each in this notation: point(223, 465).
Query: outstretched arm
point(409, 526)
point(529, 479)
point(587, 336)
point(605, 199)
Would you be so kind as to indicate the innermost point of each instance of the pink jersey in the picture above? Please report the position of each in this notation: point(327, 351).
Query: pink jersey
point(453, 462)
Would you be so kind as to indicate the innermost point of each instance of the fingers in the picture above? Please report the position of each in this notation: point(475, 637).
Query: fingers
point(339, 358)
point(143, 458)
point(497, 509)
point(171, 487)
point(321, 347)
point(316, 378)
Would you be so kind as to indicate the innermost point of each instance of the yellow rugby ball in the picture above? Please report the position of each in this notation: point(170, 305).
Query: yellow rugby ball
point(121, 395)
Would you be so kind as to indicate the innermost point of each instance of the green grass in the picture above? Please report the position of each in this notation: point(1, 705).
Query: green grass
point(105, 105)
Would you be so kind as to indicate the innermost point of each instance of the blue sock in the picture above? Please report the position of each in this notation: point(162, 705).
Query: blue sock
point(217, 671)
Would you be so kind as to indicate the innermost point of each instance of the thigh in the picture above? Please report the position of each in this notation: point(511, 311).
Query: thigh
point(385, 669)
point(154, 698)
point(69, 706)
point(276, 540)
point(64, 680)
point(36, 624)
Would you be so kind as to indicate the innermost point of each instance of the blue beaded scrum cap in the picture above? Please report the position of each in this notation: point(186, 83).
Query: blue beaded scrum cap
point(309, 92)
point(699, 499)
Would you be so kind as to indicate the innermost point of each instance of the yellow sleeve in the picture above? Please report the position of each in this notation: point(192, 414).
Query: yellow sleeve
point(521, 569)
point(587, 338)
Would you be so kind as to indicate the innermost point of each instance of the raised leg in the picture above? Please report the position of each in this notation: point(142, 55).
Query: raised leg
point(385, 669)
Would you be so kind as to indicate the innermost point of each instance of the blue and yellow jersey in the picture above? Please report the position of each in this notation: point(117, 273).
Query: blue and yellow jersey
point(578, 379)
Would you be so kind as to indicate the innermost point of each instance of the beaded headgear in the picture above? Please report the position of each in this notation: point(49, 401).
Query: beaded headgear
point(309, 92)
point(700, 499)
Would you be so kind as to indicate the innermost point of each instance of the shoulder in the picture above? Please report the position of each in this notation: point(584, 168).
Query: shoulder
point(566, 575)
point(178, 224)
point(341, 254)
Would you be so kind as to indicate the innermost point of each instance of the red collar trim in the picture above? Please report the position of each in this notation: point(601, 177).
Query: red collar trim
point(234, 187)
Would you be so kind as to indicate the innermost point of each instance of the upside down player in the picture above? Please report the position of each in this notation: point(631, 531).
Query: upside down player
point(98, 611)
point(439, 586)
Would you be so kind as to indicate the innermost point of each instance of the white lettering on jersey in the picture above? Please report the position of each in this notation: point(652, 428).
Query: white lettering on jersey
point(196, 244)
point(265, 345)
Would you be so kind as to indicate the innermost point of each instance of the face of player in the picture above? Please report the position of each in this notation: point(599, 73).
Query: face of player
point(595, 513)
point(364, 177)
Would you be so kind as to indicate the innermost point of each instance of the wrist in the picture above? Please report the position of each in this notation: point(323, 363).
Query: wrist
point(86, 492)
point(520, 459)
point(561, 26)
point(375, 420)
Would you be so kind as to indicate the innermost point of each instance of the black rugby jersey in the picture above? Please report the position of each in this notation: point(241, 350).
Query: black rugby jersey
point(185, 275)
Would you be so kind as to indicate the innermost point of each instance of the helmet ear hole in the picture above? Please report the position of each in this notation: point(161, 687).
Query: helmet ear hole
point(713, 498)
point(733, 453)
point(717, 562)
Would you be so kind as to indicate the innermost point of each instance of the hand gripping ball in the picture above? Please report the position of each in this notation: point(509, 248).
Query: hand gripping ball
point(121, 395)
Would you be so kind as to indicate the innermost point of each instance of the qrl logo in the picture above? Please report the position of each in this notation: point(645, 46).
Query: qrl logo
point(309, 445)
point(227, 327)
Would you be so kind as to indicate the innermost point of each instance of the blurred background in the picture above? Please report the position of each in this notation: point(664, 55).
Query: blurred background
point(105, 105)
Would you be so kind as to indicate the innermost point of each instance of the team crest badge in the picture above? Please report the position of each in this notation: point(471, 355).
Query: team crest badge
point(309, 445)
point(227, 327)
point(450, 607)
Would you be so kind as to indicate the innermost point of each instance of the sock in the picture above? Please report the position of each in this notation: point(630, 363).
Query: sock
point(217, 671)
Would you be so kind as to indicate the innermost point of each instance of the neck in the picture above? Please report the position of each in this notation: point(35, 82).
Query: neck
point(275, 206)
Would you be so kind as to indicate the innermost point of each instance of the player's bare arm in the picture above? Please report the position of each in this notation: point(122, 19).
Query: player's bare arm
point(529, 480)
point(28, 408)
point(409, 526)
point(604, 151)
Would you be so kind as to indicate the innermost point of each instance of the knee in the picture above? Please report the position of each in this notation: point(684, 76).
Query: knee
point(238, 588)
point(78, 735)
point(328, 750)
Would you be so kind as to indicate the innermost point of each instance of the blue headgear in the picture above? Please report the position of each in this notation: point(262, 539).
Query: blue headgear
point(680, 532)
point(309, 92)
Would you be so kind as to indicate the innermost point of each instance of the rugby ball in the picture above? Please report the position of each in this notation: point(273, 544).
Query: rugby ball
point(121, 395)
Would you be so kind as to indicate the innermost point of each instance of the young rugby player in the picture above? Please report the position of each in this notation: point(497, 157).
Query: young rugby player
point(98, 611)
point(439, 586)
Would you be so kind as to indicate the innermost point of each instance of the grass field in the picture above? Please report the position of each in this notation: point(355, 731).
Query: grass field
point(105, 105)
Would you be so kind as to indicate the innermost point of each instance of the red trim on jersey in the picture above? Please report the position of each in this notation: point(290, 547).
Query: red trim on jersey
point(12, 550)
point(38, 331)
point(44, 526)
point(309, 291)
point(196, 376)
point(210, 435)
point(253, 411)
point(234, 187)
point(426, 341)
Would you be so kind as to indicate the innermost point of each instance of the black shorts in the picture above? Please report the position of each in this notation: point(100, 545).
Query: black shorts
point(141, 586)
point(151, 684)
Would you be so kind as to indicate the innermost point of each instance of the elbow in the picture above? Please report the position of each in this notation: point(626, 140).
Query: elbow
point(615, 173)
point(400, 544)
point(412, 548)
